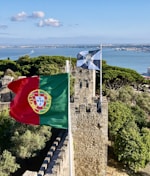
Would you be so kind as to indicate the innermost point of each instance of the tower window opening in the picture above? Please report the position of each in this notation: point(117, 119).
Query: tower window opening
point(87, 84)
point(80, 84)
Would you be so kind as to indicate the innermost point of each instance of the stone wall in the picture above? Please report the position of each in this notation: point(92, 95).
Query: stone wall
point(4, 106)
point(84, 84)
point(5, 93)
point(6, 79)
point(90, 138)
point(56, 163)
point(89, 128)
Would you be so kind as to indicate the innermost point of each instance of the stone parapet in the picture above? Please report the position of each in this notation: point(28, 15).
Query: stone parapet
point(29, 173)
point(4, 106)
point(57, 160)
point(90, 135)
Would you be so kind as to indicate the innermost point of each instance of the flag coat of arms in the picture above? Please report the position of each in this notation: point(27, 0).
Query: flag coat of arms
point(41, 100)
point(89, 59)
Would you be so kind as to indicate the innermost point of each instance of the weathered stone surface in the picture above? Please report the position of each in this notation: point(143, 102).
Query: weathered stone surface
point(89, 127)
point(6, 79)
point(30, 173)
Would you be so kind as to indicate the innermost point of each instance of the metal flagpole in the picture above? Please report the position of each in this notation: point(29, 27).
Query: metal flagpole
point(101, 75)
point(71, 170)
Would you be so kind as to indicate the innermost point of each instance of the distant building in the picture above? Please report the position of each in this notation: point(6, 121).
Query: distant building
point(148, 71)
point(147, 75)
point(6, 79)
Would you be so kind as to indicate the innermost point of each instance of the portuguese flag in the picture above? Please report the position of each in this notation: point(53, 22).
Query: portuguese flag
point(41, 100)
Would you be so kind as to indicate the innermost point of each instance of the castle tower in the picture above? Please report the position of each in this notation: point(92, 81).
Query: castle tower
point(89, 127)
point(84, 86)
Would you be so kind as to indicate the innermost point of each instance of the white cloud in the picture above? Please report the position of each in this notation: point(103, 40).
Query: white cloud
point(49, 22)
point(2, 26)
point(37, 14)
point(22, 16)
point(19, 17)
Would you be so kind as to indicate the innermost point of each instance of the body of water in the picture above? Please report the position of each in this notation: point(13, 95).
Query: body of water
point(136, 60)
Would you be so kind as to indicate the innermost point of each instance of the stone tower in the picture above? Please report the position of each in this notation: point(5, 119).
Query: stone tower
point(89, 127)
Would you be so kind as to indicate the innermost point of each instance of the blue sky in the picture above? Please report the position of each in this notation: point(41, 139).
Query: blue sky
point(74, 22)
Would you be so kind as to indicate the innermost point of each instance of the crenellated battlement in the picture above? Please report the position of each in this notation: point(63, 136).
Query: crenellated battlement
point(89, 119)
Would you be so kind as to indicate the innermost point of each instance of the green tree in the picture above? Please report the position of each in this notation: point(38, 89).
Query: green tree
point(119, 114)
point(125, 94)
point(116, 77)
point(143, 101)
point(8, 64)
point(145, 134)
point(23, 140)
point(130, 148)
point(140, 116)
point(8, 164)
point(7, 126)
point(29, 140)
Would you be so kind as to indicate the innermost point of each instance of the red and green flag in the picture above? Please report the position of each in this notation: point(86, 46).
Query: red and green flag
point(41, 100)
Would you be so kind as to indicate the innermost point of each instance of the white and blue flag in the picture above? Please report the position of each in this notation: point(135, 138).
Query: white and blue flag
point(89, 59)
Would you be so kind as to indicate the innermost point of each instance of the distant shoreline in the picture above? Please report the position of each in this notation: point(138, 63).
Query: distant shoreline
point(127, 47)
point(136, 57)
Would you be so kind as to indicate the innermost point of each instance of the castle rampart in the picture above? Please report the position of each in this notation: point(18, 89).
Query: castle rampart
point(89, 127)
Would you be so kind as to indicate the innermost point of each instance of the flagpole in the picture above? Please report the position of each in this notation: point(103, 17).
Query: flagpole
point(71, 171)
point(101, 75)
